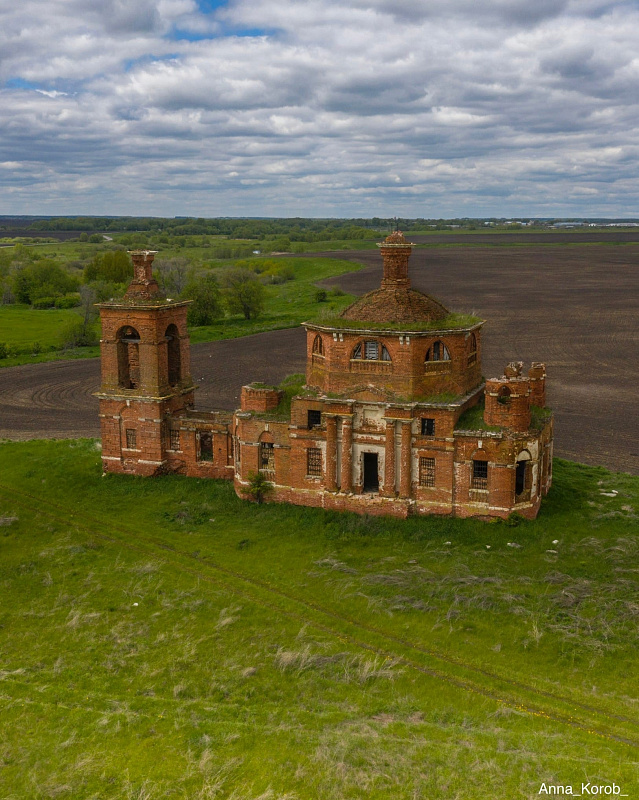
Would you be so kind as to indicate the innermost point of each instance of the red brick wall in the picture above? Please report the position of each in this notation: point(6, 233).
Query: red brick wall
point(407, 374)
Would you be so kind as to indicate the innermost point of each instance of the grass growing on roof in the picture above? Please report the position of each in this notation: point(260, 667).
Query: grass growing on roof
point(451, 322)
point(163, 638)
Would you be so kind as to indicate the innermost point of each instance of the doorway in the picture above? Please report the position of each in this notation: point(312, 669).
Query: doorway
point(371, 473)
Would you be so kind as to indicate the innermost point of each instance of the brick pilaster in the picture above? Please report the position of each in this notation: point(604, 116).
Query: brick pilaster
point(346, 482)
point(331, 452)
point(405, 460)
point(389, 459)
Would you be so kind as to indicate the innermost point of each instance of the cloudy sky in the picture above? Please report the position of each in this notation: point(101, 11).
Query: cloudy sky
point(337, 108)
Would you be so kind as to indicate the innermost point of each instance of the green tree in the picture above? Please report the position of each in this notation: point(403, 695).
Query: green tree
point(243, 293)
point(44, 278)
point(207, 300)
point(172, 275)
point(114, 266)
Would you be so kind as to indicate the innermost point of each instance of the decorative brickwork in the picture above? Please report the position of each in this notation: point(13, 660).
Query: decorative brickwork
point(387, 423)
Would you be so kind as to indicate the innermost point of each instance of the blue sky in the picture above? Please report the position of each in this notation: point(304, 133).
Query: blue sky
point(320, 108)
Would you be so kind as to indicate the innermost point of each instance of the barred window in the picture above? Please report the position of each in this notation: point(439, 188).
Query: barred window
point(480, 475)
point(313, 461)
point(314, 418)
point(267, 456)
point(131, 439)
point(318, 346)
point(174, 439)
point(426, 471)
point(374, 351)
point(428, 426)
point(371, 350)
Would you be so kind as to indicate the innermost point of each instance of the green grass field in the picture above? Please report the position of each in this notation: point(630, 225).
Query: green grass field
point(161, 638)
point(287, 305)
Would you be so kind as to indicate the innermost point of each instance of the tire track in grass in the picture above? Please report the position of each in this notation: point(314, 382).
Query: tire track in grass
point(81, 521)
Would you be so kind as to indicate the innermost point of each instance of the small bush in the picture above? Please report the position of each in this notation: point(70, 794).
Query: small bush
point(321, 296)
point(337, 292)
point(44, 302)
point(4, 350)
point(76, 333)
point(68, 301)
point(259, 487)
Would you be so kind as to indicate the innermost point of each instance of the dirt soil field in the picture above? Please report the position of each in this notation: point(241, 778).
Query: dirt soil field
point(574, 305)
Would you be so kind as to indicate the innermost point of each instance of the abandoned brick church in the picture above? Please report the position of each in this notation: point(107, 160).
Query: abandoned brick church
point(395, 417)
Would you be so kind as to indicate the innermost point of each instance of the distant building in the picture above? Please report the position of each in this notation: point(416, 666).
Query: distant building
point(390, 420)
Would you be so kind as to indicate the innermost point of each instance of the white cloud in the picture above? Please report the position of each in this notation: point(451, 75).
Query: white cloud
point(501, 106)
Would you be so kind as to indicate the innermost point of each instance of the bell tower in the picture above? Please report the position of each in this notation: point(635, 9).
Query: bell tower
point(146, 374)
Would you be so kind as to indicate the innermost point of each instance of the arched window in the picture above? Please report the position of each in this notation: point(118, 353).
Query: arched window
point(438, 352)
point(318, 345)
point(472, 349)
point(128, 340)
point(523, 476)
point(373, 351)
point(503, 396)
point(172, 336)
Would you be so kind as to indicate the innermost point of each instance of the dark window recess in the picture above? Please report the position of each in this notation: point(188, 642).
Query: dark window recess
point(503, 396)
point(206, 445)
point(520, 477)
point(426, 471)
point(313, 461)
point(438, 352)
point(173, 354)
point(472, 354)
point(174, 439)
point(267, 456)
point(314, 418)
point(128, 358)
point(318, 346)
point(480, 475)
point(371, 473)
point(131, 439)
point(428, 426)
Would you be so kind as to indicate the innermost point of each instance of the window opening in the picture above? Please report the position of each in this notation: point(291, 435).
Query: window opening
point(267, 456)
point(503, 396)
point(472, 355)
point(206, 445)
point(314, 418)
point(438, 352)
point(131, 439)
point(520, 477)
point(371, 351)
point(313, 461)
point(128, 340)
point(480, 475)
point(318, 345)
point(172, 336)
point(426, 471)
point(428, 426)
point(371, 472)
point(174, 439)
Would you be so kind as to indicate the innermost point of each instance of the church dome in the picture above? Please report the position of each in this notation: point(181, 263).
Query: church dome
point(395, 305)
